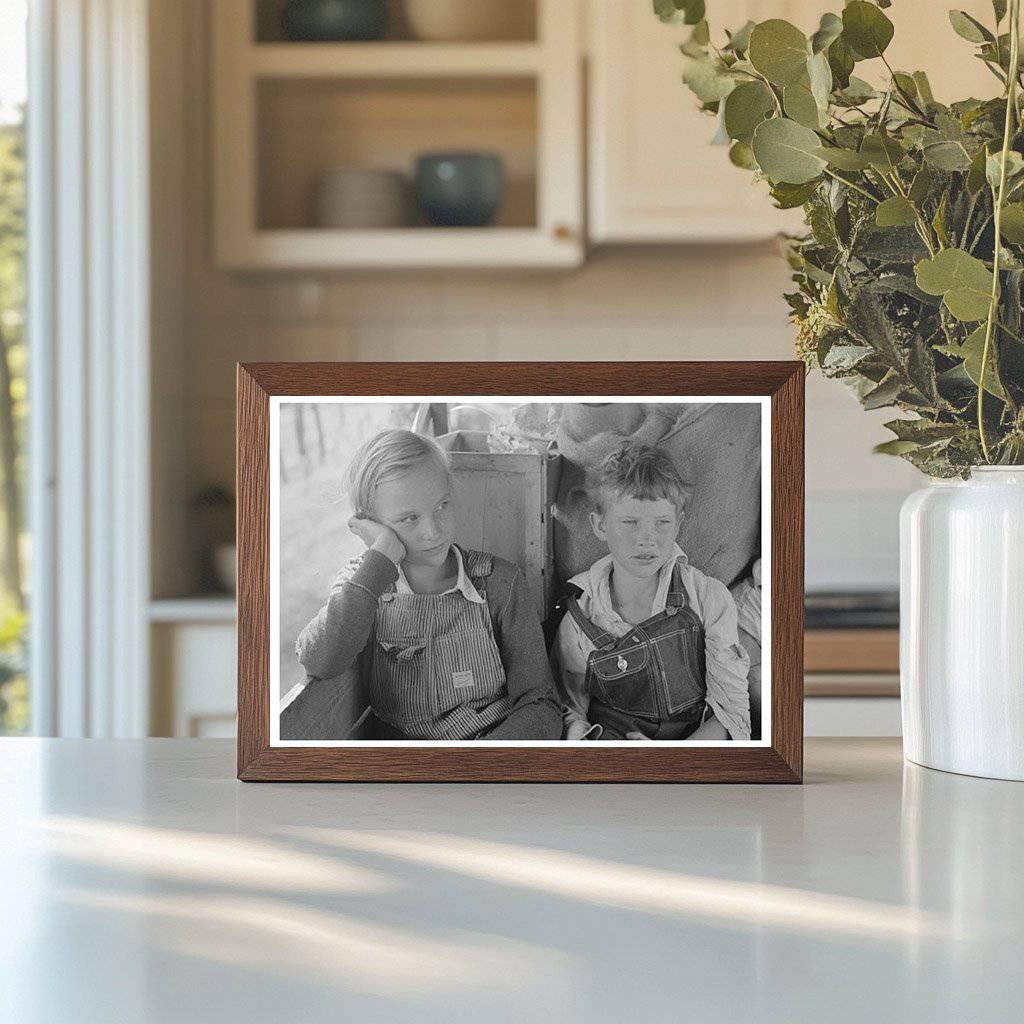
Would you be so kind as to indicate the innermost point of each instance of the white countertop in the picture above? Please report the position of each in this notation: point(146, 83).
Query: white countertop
point(140, 882)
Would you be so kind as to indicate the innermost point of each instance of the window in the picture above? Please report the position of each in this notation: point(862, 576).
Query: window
point(14, 690)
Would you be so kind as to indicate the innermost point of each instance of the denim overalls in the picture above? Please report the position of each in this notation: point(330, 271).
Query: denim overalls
point(653, 679)
point(435, 672)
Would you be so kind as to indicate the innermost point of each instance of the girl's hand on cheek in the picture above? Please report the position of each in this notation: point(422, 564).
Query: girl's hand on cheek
point(379, 537)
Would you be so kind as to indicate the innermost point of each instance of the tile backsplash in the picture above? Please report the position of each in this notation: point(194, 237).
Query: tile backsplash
point(708, 303)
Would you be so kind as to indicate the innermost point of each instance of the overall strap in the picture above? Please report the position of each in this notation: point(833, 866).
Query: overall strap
point(677, 592)
point(598, 637)
point(479, 565)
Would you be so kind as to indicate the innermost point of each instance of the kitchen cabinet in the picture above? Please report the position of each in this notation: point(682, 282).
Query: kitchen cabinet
point(287, 114)
point(192, 648)
point(653, 175)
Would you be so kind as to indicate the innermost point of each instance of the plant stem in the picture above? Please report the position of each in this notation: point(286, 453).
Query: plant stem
point(980, 232)
point(768, 86)
point(907, 99)
point(853, 185)
point(1011, 107)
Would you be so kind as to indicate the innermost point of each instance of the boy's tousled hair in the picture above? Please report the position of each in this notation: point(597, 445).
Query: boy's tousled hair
point(389, 453)
point(642, 471)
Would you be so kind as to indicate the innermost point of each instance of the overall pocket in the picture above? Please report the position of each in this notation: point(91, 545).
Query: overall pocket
point(401, 691)
point(681, 655)
point(466, 668)
point(623, 679)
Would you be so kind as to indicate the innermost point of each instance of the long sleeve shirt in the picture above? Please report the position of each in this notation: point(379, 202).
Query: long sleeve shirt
point(726, 660)
point(335, 638)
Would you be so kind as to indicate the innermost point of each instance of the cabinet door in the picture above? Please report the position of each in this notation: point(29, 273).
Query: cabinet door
point(653, 174)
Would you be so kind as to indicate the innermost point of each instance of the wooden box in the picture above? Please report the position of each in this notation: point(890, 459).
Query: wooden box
point(504, 507)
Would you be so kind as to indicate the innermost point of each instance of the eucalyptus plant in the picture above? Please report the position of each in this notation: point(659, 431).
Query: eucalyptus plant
point(910, 278)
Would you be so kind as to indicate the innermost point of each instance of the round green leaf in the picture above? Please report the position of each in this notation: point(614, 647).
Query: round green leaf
point(690, 12)
point(976, 174)
point(896, 447)
point(866, 29)
point(858, 91)
point(963, 281)
point(741, 155)
point(788, 197)
point(895, 212)
point(707, 79)
point(968, 28)
point(740, 39)
point(745, 108)
point(1011, 225)
point(993, 166)
point(801, 106)
point(844, 159)
point(820, 76)
point(840, 62)
point(779, 51)
point(924, 88)
point(971, 351)
point(947, 156)
point(829, 30)
point(786, 151)
point(883, 152)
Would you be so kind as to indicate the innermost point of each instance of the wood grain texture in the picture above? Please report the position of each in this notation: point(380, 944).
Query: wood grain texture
point(787, 542)
point(782, 762)
point(252, 483)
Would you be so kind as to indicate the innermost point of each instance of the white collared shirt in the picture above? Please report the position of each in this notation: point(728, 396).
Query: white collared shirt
point(463, 585)
point(727, 662)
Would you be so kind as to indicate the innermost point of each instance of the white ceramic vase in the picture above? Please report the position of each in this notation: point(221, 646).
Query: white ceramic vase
point(962, 624)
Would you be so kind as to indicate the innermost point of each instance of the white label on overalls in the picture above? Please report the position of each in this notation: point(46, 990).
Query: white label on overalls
point(462, 680)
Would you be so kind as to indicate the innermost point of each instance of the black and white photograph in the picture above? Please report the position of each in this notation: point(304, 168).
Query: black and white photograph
point(533, 570)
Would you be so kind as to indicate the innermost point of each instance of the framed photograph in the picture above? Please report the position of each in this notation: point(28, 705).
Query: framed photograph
point(520, 572)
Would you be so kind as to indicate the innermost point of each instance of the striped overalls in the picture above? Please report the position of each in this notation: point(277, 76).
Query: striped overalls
point(651, 680)
point(435, 672)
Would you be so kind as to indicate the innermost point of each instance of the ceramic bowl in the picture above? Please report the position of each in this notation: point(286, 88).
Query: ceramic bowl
point(460, 189)
point(332, 21)
point(470, 20)
point(360, 197)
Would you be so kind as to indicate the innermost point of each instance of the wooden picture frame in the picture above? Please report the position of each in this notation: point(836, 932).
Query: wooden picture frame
point(778, 759)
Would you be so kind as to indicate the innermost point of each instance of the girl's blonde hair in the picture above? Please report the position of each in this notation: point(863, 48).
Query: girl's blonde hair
point(384, 456)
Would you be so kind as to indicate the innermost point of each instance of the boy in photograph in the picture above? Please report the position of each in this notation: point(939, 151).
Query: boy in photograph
point(648, 649)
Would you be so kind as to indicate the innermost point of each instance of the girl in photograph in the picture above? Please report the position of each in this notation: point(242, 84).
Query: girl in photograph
point(448, 641)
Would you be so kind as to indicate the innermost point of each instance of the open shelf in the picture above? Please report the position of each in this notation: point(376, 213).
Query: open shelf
point(286, 114)
point(309, 127)
point(406, 248)
point(520, 23)
point(388, 60)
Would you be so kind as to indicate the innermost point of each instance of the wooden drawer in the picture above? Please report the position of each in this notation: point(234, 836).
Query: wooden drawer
point(852, 663)
point(852, 650)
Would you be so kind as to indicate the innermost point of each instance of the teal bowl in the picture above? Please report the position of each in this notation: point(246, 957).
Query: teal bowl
point(334, 21)
point(460, 189)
